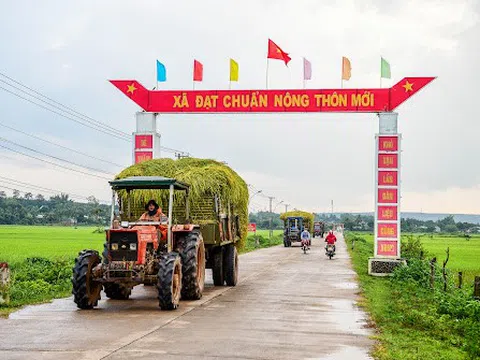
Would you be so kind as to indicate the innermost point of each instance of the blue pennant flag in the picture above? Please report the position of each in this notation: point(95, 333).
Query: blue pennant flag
point(161, 72)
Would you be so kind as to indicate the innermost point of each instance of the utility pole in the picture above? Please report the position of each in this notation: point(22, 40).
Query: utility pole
point(286, 207)
point(271, 215)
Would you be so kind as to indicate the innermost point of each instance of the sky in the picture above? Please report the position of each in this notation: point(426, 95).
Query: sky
point(68, 51)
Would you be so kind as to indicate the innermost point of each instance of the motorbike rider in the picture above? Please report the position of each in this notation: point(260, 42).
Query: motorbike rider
point(330, 239)
point(305, 236)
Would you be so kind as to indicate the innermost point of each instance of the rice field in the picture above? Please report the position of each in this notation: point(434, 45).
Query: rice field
point(20, 242)
point(464, 254)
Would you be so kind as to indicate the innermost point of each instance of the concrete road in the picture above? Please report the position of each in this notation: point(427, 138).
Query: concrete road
point(287, 305)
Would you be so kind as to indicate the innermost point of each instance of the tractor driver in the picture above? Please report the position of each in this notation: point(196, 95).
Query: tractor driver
point(152, 213)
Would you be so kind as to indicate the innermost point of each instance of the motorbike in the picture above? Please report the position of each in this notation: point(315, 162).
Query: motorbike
point(330, 250)
point(305, 245)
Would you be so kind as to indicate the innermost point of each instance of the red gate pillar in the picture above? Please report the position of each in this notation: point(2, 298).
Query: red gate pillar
point(146, 139)
point(387, 197)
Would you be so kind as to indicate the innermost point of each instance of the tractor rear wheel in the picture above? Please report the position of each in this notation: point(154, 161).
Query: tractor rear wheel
point(217, 271)
point(193, 266)
point(230, 265)
point(117, 291)
point(86, 291)
point(169, 282)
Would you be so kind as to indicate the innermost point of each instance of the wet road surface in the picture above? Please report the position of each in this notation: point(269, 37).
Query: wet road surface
point(287, 305)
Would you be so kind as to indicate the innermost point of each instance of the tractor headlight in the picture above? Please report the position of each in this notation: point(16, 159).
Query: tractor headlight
point(114, 246)
point(133, 246)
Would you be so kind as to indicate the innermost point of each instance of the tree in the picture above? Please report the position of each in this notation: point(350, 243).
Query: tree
point(39, 197)
point(3, 195)
point(28, 196)
point(451, 228)
point(16, 194)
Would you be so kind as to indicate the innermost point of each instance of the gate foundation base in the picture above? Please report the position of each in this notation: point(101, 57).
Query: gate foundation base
point(383, 267)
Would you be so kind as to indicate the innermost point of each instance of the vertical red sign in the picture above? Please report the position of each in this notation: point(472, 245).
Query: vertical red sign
point(387, 178)
point(387, 247)
point(143, 141)
point(389, 213)
point(141, 156)
point(387, 230)
point(387, 196)
point(387, 161)
point(387, 220)
point(387, 143)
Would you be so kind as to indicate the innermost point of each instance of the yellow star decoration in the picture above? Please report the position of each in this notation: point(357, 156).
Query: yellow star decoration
point(131, 88)
point(279, 51)
point(408, 86)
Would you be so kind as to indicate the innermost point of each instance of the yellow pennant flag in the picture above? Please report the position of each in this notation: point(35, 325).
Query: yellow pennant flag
point(233, 70)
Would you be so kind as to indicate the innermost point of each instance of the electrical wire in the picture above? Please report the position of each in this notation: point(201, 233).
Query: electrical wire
point(55, 164)
point(100, 126)
point(61, 146)
point(53, 157)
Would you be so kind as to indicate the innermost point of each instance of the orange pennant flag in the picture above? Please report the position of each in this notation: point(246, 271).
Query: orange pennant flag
point(346, 69)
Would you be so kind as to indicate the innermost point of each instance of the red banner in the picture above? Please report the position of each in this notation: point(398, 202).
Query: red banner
point(270, 101)
point(387, 196)
point(387, 178)
point(143, 141)
point(387, 161)
point(387, 230)
point(387, 247)
point(141, 156)
point(252, 227)
point(388, 143)
point(387, 213)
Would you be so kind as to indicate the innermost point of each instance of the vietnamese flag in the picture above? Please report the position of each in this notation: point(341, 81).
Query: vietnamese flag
point(197, 71)
point(274, 52)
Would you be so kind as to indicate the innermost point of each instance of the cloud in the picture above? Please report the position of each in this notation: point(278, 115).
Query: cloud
point(306, 160)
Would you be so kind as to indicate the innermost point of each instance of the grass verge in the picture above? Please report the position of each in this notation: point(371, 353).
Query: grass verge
point(414, 321)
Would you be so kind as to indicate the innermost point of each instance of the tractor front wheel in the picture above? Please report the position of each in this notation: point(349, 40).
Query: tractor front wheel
point(193, 266)
point(230, 265)
point(117, 291)
point(169, 282)
point(86, 291)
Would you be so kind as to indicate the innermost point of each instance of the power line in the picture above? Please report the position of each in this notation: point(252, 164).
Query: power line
point(53, 157)
point(55, 164)
point(63, 115)
point(102, 127)
point(61, 146)
point(62, 107)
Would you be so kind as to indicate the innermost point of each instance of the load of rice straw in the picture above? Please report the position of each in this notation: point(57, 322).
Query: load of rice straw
point(206, 178)
point(307, 217)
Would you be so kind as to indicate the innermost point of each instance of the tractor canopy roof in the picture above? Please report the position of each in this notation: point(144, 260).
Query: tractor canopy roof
point(147, 182)
point(294, 217)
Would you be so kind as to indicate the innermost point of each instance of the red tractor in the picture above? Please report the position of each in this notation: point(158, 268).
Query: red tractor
point(170, 256)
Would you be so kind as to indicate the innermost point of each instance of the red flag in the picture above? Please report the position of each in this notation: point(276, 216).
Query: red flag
point(274, 52)
point(197, 71)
